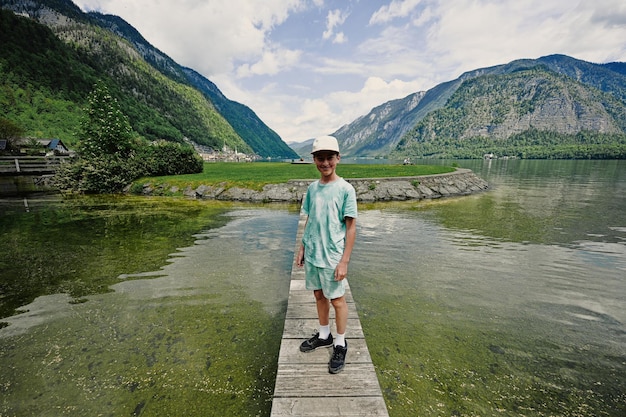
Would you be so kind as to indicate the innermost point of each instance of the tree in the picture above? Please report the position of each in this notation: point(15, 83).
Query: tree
point(106, 130)
point(9, 131)
point(105, 162)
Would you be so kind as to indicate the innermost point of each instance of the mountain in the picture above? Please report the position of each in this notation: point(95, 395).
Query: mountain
point(555, 94)
point(55, 52)
point(254, 132)
point(303, 148)
point(377, 131)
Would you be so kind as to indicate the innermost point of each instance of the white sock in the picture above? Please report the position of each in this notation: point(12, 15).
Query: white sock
point(340, 340)
point(324, 332)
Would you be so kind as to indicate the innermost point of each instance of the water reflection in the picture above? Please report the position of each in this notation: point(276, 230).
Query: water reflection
point(80, 246)
point(554, 202)
point(238, 260)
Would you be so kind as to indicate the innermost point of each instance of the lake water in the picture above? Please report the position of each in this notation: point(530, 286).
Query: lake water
point(505, 303)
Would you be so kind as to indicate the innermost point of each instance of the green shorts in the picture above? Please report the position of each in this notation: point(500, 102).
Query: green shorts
point(323, 279)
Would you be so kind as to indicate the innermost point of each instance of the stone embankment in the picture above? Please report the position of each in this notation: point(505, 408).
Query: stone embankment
point(460, 182)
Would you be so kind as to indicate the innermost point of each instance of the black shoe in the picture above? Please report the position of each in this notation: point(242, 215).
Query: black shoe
point(315, 342)
point(338, 360)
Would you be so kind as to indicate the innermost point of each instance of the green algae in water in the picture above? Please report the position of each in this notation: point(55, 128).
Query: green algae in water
point(196, 360)
point(440, 364)
point(199, 338)
point(459, 324)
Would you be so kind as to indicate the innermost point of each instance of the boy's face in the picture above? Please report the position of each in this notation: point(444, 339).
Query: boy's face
point(326, 162)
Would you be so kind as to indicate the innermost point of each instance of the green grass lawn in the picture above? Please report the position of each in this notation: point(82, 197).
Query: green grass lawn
point(257, 174)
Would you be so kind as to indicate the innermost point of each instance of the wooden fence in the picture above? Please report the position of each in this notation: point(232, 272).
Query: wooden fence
point(30, 165)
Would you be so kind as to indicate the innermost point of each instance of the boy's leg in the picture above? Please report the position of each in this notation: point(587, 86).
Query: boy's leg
point(323, 307)
point(323, 312)
point(341, 314)
point(338, 358)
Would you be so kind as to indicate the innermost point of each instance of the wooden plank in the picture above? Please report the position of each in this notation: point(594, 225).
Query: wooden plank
point(297, 273)
point(313, 380)
point(304, 328)
point(30, 165)
point(332, 406)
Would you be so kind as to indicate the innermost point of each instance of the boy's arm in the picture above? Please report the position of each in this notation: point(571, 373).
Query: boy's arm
point(342, 267)
point(300, 255)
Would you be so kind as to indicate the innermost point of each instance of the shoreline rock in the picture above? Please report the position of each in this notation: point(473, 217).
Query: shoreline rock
point(461, 182)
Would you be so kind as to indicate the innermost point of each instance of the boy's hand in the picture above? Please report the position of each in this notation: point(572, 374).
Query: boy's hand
point(341, 271)
point(300, 257)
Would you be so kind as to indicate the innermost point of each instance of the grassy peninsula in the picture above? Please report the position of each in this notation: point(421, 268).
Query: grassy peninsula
point(255, 175)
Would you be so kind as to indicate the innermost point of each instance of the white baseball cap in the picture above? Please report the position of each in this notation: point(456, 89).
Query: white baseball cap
point(325, 143)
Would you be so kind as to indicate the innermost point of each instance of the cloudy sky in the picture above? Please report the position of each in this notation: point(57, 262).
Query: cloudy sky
point(307, 67)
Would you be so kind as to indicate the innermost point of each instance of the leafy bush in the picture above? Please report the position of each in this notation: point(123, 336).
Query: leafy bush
point(96, 175)
point(168, 158)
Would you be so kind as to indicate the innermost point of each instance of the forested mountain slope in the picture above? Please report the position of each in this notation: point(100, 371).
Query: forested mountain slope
point(51, 59)
point(254, 132)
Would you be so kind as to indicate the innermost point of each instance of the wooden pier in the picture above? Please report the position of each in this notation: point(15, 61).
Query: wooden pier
point(304, 387)
point(30, 165)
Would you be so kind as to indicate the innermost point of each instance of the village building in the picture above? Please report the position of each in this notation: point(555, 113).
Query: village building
point(47, 147)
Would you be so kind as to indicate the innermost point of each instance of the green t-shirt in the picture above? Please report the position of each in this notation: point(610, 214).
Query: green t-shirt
point(327, 206)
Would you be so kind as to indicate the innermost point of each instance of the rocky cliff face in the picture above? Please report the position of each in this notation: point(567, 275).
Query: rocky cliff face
point(381, 129)
point(555, 93)
point(501, 106)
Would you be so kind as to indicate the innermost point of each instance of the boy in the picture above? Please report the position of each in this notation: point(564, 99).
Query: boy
point(327, 242)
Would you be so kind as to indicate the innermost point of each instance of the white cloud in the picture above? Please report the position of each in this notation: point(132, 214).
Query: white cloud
point(271, 62)
point(397, 8)
point(334, 19)
point(340, 38)
point(209, 36)
point(424, 17)
point(304, 81)
point(324, 115)
point(374, 92)
point(475, 34)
